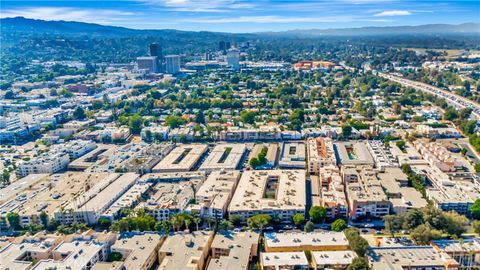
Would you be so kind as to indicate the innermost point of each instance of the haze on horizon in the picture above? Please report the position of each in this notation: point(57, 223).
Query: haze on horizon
point(247, 15)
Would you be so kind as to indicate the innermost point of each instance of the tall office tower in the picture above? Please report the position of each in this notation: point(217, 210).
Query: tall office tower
point(233, 58)
point(221, 46)
point(172, 64)
point(149, 63)
point(227, 45)
point(156, 50)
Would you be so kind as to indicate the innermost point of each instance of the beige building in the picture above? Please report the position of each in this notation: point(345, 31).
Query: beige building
point(320, 154)
point(233, 250)
point(139, 252)
point(224, 157)
point(283, 260)
point(338, 260)
point(181, 159)
point(185, 251)
point(301, 241)
point(272, 192)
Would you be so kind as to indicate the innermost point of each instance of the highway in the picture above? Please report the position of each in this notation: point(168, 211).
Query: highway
point(451, 98)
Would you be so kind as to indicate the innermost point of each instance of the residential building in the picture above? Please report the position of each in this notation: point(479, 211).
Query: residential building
point(320, 154)
point(224, 157)
point(185, 251)
point(338, 259)
point(283, 260)
point(233, 250)
point(46, 163)
point(139, 251)
point(301, 241)
point(216, 192)
point(181, 159)
point(409, 257)
point(293, 155)
point(233, 58)
point(273, 192)
point(466, 252)
point(148, 63)
point(381, 155)
point(172, 64)
point(353, 153)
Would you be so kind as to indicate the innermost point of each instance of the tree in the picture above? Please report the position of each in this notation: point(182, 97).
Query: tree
point(450, 114)
point(400, 144)
point(393, 223)
point(346, 131)
point(455, 224)
point(248, 117)
point(356, 242)
point(423, 234)
point(339, 225)
point(476, 226)
point(412, 219)
point(298, 219)
point(259, 221)
point(200, 117)
point(120, 225)
point(235, 219)
point(359, 263)
point(309, 226)
point(14, 220)
point(164, 227)
point(317, 213)
point(44, 219)
point(114, 256)
point(104, 223)
point(475, 209)
point(135, 123)
point(254, 162)
point(174, 121)
point(225, 225)
point(79, 113)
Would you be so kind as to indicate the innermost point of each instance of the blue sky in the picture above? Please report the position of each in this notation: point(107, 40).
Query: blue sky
point(247, 15)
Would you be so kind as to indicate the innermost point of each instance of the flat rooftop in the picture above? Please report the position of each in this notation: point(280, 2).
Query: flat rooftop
point(183, 158)
point(224, 156)
point(11, 254)
point(240, 247)
point(64, 189)
point(282, 259)
point(302, 239)
point(128, 199)
point(139, 247)
point(91, 158)
point(293, 155)
point(404, 257)
point(76, 252)
point(353, 153)
point(19, 186)
point(183, 251)
point(341, 257)
point(270, 189)
point(174, 195)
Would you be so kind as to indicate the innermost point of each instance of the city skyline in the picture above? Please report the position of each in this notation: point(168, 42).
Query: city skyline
point(247, 16)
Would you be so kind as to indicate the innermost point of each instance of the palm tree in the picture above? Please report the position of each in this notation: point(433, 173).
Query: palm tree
point(176, 222)
point(187, 223)
point(197, 220)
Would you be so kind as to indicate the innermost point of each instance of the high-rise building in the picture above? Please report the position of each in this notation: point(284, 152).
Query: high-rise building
point(155, 49)
point(172, 64)
point(221, 46)
point(149, 63)
point(233, 58)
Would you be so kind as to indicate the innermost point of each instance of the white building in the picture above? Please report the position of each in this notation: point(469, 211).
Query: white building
point(233, 58)
point(172, 64)
point(46, 163)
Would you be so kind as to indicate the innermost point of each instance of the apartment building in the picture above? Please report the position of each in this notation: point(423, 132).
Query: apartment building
point(283, 260)
point(331, 192)
point(185, 251)
point(320, 154)
point(301, 241)
point(139, 251)
point(46, 163)
point(273, 192)
point(224, 157)
point(465, 252)
point(437, 155)
point(215, 193)
point(365, 195)
point(233, 250)
point(381, 155)
point(181, 159)
point(292, 155)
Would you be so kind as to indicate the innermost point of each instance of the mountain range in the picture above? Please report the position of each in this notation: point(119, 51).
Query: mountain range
point(32, 26)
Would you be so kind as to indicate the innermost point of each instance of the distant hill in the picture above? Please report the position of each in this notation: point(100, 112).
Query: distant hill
point(31, 26)
point(465, 28)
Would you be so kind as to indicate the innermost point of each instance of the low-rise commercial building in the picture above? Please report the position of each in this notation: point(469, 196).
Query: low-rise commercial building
point(46, 163)
point(273, 192)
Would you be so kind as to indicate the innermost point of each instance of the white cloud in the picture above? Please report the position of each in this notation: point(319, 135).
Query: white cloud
point(278, 19)
point(103, 16)
point(387, 13)
point(200, 5)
